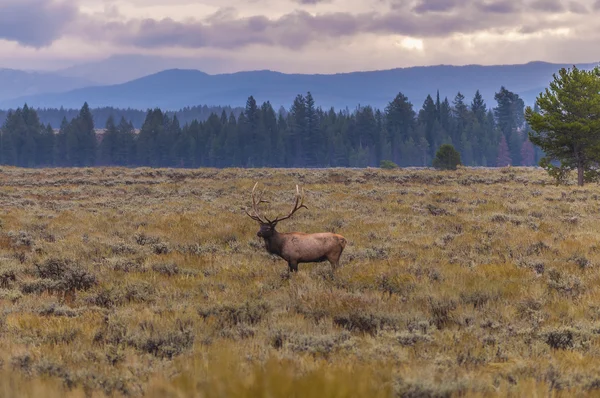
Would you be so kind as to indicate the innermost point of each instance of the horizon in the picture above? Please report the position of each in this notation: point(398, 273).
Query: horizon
point(129, 56)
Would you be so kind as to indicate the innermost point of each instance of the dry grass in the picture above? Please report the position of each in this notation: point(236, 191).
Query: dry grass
point(129, 282)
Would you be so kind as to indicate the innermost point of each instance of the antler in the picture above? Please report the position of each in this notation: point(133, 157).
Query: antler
point(296, 207)
point(257, 216)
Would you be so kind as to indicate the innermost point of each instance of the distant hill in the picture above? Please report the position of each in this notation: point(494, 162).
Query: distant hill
point(122, 68)
point(176, 88)
point(16, 83)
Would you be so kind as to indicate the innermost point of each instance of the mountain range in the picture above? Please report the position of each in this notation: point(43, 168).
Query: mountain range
point(145, 82)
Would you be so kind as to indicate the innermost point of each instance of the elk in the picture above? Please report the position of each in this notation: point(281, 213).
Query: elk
point(296, 247)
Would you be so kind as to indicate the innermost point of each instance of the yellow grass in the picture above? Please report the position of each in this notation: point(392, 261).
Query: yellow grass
point(142, 282)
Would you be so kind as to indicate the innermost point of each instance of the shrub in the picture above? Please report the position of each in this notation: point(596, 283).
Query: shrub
point(163, 342)
point(60, 274)
point(446, 158)
point(249, 312)
point(388, 164)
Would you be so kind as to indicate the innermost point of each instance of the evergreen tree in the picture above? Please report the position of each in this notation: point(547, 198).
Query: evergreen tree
point(527, 154)
point(125, 147)
point(400, 121)
point(510, 118)
point(148, 149)
point(479, 108)
point(311, 139)
point(86, 136)
point(108, 144)
point(60, 144)
point(368, 136)
point(446, 158)
point(251, 140)
point(272, 148)
point(567, 127)
point(429, 119)
point(297, 127)
point(232, 145)
point(503, 159)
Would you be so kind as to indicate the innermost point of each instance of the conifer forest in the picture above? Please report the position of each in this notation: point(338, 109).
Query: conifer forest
point(305, 135)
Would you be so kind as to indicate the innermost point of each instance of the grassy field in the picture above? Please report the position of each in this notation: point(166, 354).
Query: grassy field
point(130, 282)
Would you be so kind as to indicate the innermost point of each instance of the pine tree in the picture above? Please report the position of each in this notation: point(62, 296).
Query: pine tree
point(446, 158)
point(148, 150)
point(510, 118)
point(479, 108)
point(400, 123)
point(60, 144)
point(368, 136)
point(503, 159)
point(232, 145)
point(87, 140)
point(461, 120)
point(429, 117)
point(126, 146)
point(567, 127)
point(45, 147)
point(272, 148)
point(108, 144)
point(527, 154)
point(251, 140)
point(297, 127)
point(311, 139)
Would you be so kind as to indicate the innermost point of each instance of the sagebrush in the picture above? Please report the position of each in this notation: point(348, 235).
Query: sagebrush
point(131, 282)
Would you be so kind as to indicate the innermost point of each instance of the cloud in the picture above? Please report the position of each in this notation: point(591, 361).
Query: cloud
point(499, 7)
point(40, 22)
point(297, 29)
point(35, 23)
point(424, 6)
point(554, 6)
point(312, 2)
point(577, 8)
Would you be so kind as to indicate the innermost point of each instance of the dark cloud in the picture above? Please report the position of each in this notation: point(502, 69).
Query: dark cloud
point(597, 5)
point(554, 6)
point(499, 6)
point(311, 2)
point(34, 23)
point(424, 6)
point(577, 8)
point(397, 4)
point(293, 30)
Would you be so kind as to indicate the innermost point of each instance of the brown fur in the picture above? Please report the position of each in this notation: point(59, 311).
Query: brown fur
point(298, 247)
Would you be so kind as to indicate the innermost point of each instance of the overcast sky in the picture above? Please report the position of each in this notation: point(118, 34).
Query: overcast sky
point(306, 36)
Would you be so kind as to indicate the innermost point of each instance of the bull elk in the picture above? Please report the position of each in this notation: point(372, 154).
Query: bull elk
point(296, 247)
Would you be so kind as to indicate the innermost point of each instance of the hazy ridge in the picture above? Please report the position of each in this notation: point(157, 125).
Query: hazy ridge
point(175, 88)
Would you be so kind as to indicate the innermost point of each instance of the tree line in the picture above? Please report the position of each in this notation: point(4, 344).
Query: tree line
point(54, 116)
point(305, 135)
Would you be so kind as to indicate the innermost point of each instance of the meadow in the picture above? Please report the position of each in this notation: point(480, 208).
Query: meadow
point(152, 282)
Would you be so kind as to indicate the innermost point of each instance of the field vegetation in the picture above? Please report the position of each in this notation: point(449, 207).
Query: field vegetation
point(130, 282)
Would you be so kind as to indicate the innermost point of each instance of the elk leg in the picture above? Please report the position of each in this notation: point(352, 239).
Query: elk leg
point(293, 267)
point(335, 262)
